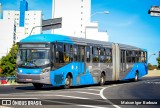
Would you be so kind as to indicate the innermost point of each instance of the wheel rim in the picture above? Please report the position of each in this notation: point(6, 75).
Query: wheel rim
point(102, 80)
point(67, 81)
point(136, 77)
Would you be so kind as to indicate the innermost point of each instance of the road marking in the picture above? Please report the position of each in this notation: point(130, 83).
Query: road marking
point(86, 93)
point(72, 97)
point(94, 89)
point(90, 106)
point(18, 98)
point(29, 95)
point(103, 97)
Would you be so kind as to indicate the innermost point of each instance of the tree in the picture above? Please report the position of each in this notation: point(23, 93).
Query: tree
point(8, 62)
point(158, 60)
point(151, 67)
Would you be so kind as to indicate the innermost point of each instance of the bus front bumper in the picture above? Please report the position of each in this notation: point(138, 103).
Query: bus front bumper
point(43, 78)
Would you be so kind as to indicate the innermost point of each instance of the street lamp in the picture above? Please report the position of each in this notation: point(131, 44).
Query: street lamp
point(104, 12)
point(151, 55)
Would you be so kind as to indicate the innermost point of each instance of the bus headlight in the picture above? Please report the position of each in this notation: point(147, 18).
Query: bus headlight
point(46, 69)
point(20, 71)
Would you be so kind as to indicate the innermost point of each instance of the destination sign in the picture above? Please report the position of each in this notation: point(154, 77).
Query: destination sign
point(33, 45)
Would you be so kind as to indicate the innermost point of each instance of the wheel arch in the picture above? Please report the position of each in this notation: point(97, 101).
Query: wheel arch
point(70, 74)
point(104, 73)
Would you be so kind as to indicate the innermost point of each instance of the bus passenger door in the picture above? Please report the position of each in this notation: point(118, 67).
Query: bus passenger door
point(81, 54)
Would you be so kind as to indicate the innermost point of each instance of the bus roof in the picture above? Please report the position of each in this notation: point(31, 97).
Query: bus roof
point(38, 38)
point(46, 38)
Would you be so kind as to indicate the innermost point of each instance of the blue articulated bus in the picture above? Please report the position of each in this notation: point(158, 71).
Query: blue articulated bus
point(66, 61)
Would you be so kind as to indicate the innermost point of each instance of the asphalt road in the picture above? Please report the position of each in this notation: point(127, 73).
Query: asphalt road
point(121, 94)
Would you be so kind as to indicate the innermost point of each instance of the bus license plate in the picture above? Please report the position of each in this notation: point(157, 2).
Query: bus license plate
point(28, 79)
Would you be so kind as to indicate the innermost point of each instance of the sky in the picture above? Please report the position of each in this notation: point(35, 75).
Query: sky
point(128, 21)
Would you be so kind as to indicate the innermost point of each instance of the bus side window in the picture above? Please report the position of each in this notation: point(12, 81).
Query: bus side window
point(71, 53)
point(145, 56)
point(81, 53)
point(53, 54)
point(95, 54)
point(66, 53)
point(88, 53)
point(108, 55)
point(133, 57)
point(130, 57)
point(136, 56)
point(59, 53)
point(75, 53)
point(102, 55)
point(142, 56)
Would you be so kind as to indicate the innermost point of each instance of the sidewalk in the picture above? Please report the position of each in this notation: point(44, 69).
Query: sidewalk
point(10, 82)
point(152, 73)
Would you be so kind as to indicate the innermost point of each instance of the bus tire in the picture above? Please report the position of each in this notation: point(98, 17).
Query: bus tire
point(37, 85)
point(136, 77)
point(68, 82)
point(102, 79)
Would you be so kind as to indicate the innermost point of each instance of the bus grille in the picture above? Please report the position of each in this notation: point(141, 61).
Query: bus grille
point(58, 79)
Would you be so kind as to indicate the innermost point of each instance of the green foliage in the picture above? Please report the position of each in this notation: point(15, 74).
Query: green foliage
point(158, 60)
point(8, 62)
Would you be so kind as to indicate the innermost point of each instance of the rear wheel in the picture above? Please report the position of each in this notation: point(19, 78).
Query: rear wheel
point(102, 79)
point(37, 85)
point(136, 77)
point(68, 82)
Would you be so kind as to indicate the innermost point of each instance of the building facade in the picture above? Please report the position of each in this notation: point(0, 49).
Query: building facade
point(32, 19)
point(20, 23)
point(6, 36)
point(23, 9)
point(0, 11)
point(76, 15)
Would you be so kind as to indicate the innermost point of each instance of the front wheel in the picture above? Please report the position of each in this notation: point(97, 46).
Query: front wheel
point(68, 82)
point(37, 85)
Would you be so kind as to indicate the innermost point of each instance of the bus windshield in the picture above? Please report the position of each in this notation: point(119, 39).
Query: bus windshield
point(32, 57)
